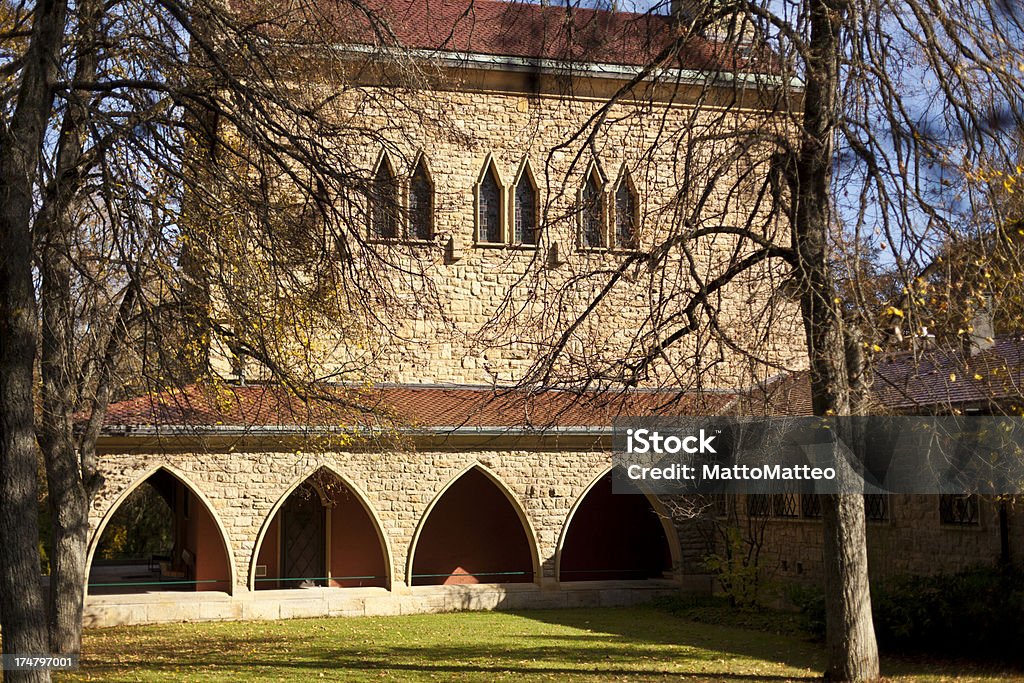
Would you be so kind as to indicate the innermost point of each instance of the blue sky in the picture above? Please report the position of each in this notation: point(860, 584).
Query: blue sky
point(661, 6)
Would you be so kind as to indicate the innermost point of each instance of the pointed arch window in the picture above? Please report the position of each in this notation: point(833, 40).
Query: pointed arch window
point(525, 208)
point(489, 207)
point(626, 214)
point(592, 210)
point(384, 202)
point(421, 203)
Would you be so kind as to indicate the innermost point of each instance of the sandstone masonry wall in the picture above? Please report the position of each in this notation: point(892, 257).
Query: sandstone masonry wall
point(471, 313)
point(243, 490)
point(912, 541)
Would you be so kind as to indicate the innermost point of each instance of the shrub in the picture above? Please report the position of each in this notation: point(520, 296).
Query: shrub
point(737, 570)
point(977, 614)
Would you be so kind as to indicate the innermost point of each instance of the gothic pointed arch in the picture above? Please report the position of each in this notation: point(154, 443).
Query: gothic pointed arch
point(321, 532)
point(592, 211)
point(421, 200)
point(384, 208)
point(474, 531)
point(626, 221)
point(616, 536)
point(490, 204)
point(161, 533)
point(525, 206)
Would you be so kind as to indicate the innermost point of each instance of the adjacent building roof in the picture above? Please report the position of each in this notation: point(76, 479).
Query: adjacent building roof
point(952, 377)
point(931, 379)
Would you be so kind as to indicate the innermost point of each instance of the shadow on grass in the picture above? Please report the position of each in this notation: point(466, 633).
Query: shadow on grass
point(716, 610)
point(439, 664)
point(754, 635)
point(591, 645)
point(583, 645)
point(639, 626)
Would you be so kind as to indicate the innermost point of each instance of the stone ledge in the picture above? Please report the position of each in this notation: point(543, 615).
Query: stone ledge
point(154, 608)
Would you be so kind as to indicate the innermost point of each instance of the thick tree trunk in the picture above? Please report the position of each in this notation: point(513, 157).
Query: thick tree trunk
point(66, 496)
point(69, 473)
point(68, 575)
point(58, 369)
point(22, 611)
point(852, 650)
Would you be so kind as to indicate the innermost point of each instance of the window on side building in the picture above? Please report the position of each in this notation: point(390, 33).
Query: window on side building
point(626, 213)
point(959, 509)
point(592, 234)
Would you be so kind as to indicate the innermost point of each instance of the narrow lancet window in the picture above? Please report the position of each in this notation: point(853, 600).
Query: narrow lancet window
point(384, 202)
point(625, 215)
point(421, 204)
point(489, 207)
point(525, 210)
point(592, 211)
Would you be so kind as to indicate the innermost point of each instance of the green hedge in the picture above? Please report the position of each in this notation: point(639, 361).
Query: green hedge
point(978, 614)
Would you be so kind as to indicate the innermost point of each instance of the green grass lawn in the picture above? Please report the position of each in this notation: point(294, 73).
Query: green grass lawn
point(634, 644)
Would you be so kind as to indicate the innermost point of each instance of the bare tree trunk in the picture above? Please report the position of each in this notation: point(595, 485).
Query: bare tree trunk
point(852, 650)
point(67, 480)
point(22, 611)
point(68, 569)
point(66, 495)
point(68, 575)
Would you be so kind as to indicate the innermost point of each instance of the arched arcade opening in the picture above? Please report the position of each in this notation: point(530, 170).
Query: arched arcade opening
point(159, 536)
point(321, 534)
point(472, 534)
point(614, 537)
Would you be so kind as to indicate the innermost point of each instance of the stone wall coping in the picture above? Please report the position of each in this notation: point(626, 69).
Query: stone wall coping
point(159, 597)
point(447, 430)
point(479, 61)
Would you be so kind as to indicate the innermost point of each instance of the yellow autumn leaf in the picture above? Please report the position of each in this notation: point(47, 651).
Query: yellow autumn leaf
point(952, 377)
point(892, 310)
point(977, 376)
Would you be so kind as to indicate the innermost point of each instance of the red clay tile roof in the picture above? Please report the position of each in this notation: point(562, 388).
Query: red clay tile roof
point(935, 379)
point(939, 377)
point(398, 406)
point(789, 394)
point(493, 27)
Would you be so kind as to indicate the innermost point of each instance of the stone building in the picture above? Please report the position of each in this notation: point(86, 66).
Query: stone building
point(432, 485)
point(909, 534)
